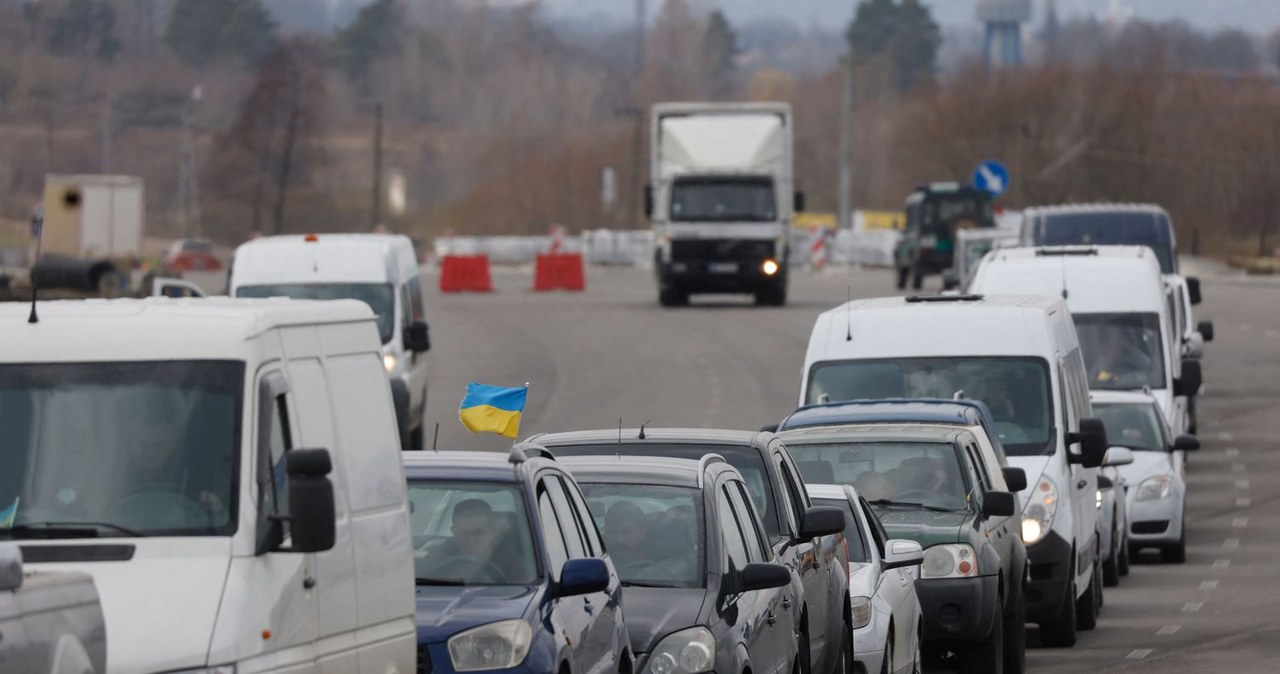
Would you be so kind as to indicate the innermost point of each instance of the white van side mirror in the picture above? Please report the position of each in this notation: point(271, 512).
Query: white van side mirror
point(1118, 456)
point(10, 567)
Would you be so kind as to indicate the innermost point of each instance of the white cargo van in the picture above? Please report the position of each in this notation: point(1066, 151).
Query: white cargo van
point(1120, 304)
point(1019, 355)
point(228, 471)
point(380, 270)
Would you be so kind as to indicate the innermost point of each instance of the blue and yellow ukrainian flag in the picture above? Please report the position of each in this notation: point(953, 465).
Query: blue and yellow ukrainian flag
point(493, 409)
point(8, 515)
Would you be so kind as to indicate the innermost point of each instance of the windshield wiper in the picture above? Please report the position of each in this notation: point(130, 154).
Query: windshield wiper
point(639, 583)
point(68, 530)
point(439, 581)
point(909, 504)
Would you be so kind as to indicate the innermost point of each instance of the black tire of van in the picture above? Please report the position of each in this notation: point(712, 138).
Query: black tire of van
point(1111, 565)
point(1089, 607)
point(772, 295)
point(902, 273)
point(1061, 632)
point(400, 397)
point(673, 296)
point(1015, 637)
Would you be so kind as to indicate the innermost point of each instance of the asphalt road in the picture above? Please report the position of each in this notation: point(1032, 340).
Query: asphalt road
point(611, 353)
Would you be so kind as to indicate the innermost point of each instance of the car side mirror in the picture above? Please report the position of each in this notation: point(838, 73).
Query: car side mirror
point(798, 202)
point(311, 515)
point(821, 521)
point(1118, 456)
point(648, 201)
point(1015, 478)
point(585, 575)
point(763, 576)
point(1205, 328)
point(10, 567)
point(1193, 290)
point(900, 552)
point(1092, 438)
point(1191, 380)
point(417, 337)
point(1105, 483)
point(1186, 443)
point(950, 280)
point(769, 428)
point(998, 504)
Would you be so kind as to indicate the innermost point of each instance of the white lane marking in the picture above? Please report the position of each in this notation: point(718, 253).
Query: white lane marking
point(1226, 437)
point(1231, 543)
point(1242, 484)
point(1221, 563)
point(1243, 502)
point(1239, 522)
point(1138, 654)
point(1233, 451)
point(1192, 606)
point(1209, 585)
point(1237, 467)
point(1169, 630)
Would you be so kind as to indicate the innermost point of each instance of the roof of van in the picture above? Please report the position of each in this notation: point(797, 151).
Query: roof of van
point(898, 327)
point(1096, 279)
point(311, 258)
point(156, 328)
point(1098, 207)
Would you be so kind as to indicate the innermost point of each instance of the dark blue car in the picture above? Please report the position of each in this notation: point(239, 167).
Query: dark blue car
point(512, 575)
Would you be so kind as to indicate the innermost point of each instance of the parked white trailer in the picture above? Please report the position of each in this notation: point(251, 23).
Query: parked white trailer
point(93, 216)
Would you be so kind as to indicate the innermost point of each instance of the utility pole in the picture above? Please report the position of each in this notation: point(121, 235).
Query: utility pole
point(844, 217)
point(188, 182)
point(377, 166)
point(107, 133)
point(637, 138)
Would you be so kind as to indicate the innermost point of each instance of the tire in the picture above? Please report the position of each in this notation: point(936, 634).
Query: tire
point(1111, 565)
point(1061, 631)
point(902, 273)
point(887, 665)
point(917, 277)
point(1176, 553)
point(986, 656)
point(673, 297)
point(804, 654)
point(917, 655)
point(847, 663)
point(772, 296)
point(1087, 610)
point(1125, 551)
point(1015, 638)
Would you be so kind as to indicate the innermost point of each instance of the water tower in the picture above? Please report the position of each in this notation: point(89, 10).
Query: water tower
point(1003, 20)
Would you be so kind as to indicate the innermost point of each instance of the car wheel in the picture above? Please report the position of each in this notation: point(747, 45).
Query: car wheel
point(848, 664)
point(1111, 565)
point(1176, 553)
point(887, 665)
point(917, 654)
point(1125, 551)
point(986, 656)
point(1087, 611)
point(673, 297)
point(1061, 631)
point(1015, 638)
point(902, 277)
point(803, 657)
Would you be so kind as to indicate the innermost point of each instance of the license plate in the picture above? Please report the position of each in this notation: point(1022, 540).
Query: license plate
point(723, 267)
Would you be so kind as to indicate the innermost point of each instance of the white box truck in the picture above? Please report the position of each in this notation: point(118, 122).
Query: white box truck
point(93, 216)
point(721, 199)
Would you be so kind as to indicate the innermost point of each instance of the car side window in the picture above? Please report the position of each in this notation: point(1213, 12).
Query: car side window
point(991, 468)
point(406, 306)
point(574, 538)
point(749, 521)
point(594, 547)
point(790, 497)
point(979, 468)
point(276, 500)
point(878, 535)
point(734, 544)
point(552, 538)
point(415, 299)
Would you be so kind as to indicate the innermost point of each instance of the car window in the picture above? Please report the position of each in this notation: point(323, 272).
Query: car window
point(852, 529)
point(475, 533)
point(991, 468)
point(552, 538)
point(415, 299)
point(654, 534)
point(734, 544)
point(878, 535)
point(588, 524)
point(574, 538)
point(977, 476)
point(789, 497)
point(886, 471)
point(749, 521)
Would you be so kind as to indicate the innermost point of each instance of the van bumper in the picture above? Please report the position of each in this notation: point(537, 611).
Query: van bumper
point(1049, 563)
point(958, 608)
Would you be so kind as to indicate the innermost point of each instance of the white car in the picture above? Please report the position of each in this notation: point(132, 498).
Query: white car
point(1113, 517)
point(1155, 489)
point(887, 626)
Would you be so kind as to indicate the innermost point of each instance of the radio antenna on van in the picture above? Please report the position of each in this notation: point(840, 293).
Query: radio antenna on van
point(37, 224)
point(848, 314)
point(1064, 277)
point(619, 437)
point(435, 438)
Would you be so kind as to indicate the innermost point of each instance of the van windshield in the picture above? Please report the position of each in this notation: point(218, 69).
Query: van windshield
point(119, 449)
point(653, 533)
point(1110, 229)
point(470, 533)
point(379, 297)
point(1122, 351)
point(1016, 390)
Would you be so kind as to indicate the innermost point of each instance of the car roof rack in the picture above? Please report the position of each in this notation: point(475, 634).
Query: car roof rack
point(916, 299)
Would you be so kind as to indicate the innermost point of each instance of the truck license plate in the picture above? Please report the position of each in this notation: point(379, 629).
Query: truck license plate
point(723, 267)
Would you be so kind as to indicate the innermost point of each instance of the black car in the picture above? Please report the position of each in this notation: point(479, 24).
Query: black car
point(701, 588)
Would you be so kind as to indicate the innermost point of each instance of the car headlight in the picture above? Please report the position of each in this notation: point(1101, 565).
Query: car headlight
point(499, 645)
point(1154, 488)
point(688, 651)
point(861, 611)
point(955, 560)
point(1099, 498)
point(389, 361)
point(1042, 504)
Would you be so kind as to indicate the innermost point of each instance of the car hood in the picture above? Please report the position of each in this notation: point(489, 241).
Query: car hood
point(924, 526)
point(443, 610)
point(1145, 464)
point(655, 612)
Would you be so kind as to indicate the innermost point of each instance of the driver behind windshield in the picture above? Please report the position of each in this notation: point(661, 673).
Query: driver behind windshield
point(164, 494)
point(475, 534)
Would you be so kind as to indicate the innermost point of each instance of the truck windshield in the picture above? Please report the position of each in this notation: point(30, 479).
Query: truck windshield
point(942, 214)
point(888, 473)
point(120, 448)
point(723, 200)
point(1109, 229)
point(1016, 390)
point(653, 533)
point(379, 297)
point(1122, 351)
point(470, 533)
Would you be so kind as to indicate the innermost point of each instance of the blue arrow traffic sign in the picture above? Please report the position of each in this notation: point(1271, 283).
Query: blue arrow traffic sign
point(992, 177)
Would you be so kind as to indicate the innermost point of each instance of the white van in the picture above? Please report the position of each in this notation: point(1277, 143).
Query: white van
point(228, 471)
point(379, 269)
point(1019, 355)
point(1121, 307)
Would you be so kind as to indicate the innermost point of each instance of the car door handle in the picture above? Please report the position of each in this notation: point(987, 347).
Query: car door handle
point(770, 617)
point(786, 602)
point(1082, 484)
point(588, 606)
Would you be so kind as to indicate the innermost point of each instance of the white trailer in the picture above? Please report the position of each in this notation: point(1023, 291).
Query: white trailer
point(93, 216)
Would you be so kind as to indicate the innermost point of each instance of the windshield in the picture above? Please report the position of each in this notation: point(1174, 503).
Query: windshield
point(723, 200)
point(1136, 426)
point(957, 211)
point(148, 447)
point(852, 532)
point(470, 533)
point(1122, 351)
point(1016, 390)
point(654, 535)
point(378, 296)
point(746, 459)
point(1109, 229)
point(926, 473)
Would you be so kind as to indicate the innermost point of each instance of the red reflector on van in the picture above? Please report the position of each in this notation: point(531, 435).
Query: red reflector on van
point(311, 238)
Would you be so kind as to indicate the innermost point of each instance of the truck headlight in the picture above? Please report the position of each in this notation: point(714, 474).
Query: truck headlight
point(499, 645)
point(861, 611)
point(690, 651)
point(770, 267)
point(1154, 488)
point(1042, 504)
point(956, 560)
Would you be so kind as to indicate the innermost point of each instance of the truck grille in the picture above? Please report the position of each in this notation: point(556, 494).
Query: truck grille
point(424, 660)
point(727, 250)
